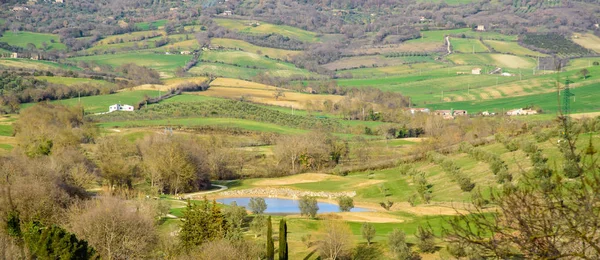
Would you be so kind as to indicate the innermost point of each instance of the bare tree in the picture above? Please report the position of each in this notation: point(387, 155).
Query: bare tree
point(336, 242)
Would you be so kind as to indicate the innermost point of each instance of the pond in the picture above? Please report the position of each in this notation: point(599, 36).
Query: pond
point(276, 205)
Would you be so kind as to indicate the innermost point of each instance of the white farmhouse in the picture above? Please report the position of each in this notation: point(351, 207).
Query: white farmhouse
point(521, 111)
point(119, 107)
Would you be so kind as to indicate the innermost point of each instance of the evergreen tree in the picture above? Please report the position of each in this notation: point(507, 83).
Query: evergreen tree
point(55, 243)
point(270, 245)
point(283, 245)
point(202, 222)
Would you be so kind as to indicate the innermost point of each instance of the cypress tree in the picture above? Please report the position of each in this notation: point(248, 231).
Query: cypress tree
point(283, 246)
point(270, 245)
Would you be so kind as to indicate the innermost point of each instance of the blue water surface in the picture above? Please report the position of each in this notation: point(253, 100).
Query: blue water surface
point(276, 205)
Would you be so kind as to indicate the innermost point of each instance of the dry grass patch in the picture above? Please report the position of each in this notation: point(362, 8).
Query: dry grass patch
point(227, 82)
point(585, 115)
point(365, 61)
point(299, 178)
point(405, 47)
point(373, 217)
point(587, 40)
point(168, 84)
point(428, 210)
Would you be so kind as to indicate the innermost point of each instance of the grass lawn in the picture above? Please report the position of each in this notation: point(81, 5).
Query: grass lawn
point(156, 24)
point(71, 81)
point(21, 39)
point(97, 104)
point(248, 47)
point(244, 26)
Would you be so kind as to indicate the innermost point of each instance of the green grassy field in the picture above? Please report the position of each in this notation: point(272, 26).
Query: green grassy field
point(244, 26)
point(437, 35)
point(132, 36)
point(36, 64)
point(513, 48)
point(97, 104)
point(202, 121)
point(490, 35)
point(71, 81)
point(500, 60)
point(6, 130)
point(398, 70)
point(146, 25)
point(247, 59)
point(585, 100)
point(21, 39)
point(162, 63)
point(467, 45)
point(231, 71)
point(248, 47)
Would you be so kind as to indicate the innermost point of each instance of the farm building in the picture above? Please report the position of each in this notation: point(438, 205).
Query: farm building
point(20, 8)
point(488, 113)
point(418, 110)
point(227, 13)
point(14, 55)
point(480, 28)
point(506, 74)
point(521, 111)
point(476, 71)
point(451, 113)
point(119, 107)
point(186, 52)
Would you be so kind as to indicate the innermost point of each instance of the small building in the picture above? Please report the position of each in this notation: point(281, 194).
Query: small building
point(488, 113)
point(506, 74)
point(480, 28)
point(173, 9)
point(227, 13)
point(451, 112)
point(422, 19)
point(119, 107)
point(186, 52)
point(20, 9)
point(521, 112)
point(59, 1)
point(476, 71)
point(597, 25)
point(418, 110)
point(14, 55)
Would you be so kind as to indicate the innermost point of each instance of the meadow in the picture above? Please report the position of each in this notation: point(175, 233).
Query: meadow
point(72, 81)
point(499, 60)
point(245, 26)
point(36, 65)
point(146, 25)
point(166, 64)
point(248, 47)
point(22, 38)
point(467, 45)
point(587, 40)
point(513, 48)
point(98, 104)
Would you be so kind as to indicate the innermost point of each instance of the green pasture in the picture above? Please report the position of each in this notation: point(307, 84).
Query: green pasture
point(585, 100)
point(512, 48)
point(128, 37)
point(467, 45)
point(21, 39)
point(486, 35)
point(72, 81)
point(397, 70)
point(493, 59)
point(437, 35)
point(6, 147)
point(161, 62)
point(248, 60)
point(203, 121)
point(97, 104)
point(248, 47)
point(231, 71)
point(35, 64)
point(144, 26)
point(244, 26)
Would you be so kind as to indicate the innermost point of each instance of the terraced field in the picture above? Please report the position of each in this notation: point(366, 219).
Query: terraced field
point(243, 65)
point(97, 104)
point(166, 64)
point(72, 81)
point(248, 47)
point(246, 26)
point(500, 60)
point(587, 40)
point(35, 64)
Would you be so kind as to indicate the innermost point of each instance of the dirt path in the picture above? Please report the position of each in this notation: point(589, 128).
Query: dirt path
point(192, 195)
point(448, 44)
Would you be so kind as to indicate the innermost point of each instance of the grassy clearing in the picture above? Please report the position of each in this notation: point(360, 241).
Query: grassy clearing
point(146, 25)
point(162, 63)
point(278, 69)
point(97, 104)
point(128, 37)
point(6, 147)
point(35, 64)
point(244, 26)
point(467, 45)
point(72, 81)
point(248, 47)
point(21, 39)
point(587, 40)
point(500, 60)
point(201, 121)
point(490, 36)
point(397, 70)
point(513, 48)
point(437, 35)
point(577, 64)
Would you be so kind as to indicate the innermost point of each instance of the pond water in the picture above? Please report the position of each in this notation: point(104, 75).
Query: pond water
point(276, 205)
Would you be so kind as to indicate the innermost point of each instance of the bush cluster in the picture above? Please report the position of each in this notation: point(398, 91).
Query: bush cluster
point(497, 165)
